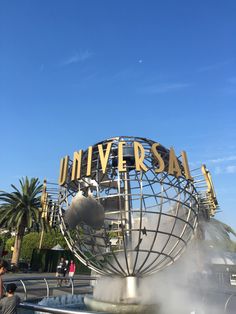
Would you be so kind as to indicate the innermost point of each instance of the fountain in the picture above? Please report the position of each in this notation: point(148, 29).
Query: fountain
point(128, 208)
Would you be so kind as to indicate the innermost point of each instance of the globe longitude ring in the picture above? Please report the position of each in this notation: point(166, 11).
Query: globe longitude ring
point(128, 206)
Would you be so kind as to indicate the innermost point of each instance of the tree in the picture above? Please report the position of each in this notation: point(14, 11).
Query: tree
point(219, 235)
point(224, 229)
point(31, 241)
point(21, 209)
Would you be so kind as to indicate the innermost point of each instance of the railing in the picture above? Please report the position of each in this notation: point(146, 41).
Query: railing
point(45, 286)
point(32, 288)
point(36, 288)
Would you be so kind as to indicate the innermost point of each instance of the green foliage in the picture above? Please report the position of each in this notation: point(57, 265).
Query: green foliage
point(53, 238)
point(231, 246)
point(8, 244)
point(21, 207)
point(220, 236)
point(31, 241)
point(4, 237)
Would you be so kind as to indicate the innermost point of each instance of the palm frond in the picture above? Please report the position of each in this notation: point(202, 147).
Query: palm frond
point(22, 206)
point(223, 226)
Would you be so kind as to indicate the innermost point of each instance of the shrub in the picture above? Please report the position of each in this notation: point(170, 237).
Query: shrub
point(31, 241)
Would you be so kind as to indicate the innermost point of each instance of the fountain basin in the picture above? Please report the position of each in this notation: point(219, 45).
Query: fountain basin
point(123, 308)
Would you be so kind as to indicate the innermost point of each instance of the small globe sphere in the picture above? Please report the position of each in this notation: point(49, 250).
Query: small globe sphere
point(145, 218)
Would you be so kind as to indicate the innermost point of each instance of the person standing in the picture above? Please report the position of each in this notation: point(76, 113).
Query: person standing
point(66, 270)
point(3, 269)
point(71, 272)
point(60, 274)
point(9, 304)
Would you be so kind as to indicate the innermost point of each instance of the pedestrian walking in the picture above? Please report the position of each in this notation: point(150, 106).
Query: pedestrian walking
point(71, 272)
point(66, 270)
point(61, 271)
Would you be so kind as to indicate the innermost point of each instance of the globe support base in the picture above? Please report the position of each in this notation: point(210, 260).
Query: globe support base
point(121, 308)
point(130, 290)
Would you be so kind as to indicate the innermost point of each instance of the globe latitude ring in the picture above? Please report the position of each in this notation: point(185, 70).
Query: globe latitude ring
point(141, 221)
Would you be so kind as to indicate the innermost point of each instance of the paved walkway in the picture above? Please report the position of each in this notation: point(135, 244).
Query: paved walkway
point(10, 275)
point(17, 275)
point(36, 287)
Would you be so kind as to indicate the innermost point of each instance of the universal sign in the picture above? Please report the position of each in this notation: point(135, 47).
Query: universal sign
point(172, 166)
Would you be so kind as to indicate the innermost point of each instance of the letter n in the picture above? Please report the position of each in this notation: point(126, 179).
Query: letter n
point(76, 168)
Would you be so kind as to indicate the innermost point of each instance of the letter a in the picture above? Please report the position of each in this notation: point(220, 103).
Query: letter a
point(174, 168)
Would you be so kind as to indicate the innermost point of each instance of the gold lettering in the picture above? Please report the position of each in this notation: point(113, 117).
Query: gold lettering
point(104, 158)
point(139, 155)
point(63, 170)
point(186, 166)
point(210, 186)
point(76, 169)
point(89, 161)
point(44, 197)
point(174, 168)
point(158, 158)
point(121, 161)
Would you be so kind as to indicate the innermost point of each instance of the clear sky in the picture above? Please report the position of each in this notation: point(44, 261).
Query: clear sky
point(73, 73)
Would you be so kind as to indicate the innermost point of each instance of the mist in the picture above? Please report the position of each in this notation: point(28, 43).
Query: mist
point(181, 287)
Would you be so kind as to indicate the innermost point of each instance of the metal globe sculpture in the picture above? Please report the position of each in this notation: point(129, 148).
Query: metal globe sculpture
point(124, 209)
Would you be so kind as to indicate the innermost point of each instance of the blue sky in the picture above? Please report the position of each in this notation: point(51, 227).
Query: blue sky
point(73, 73)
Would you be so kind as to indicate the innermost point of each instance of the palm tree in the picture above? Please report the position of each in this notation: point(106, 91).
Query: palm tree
point(219, 234)
point(21, 209)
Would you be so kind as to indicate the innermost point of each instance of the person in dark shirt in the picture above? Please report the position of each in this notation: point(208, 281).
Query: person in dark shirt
point(9, 304)
point(66, 269)
point(61, 271)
